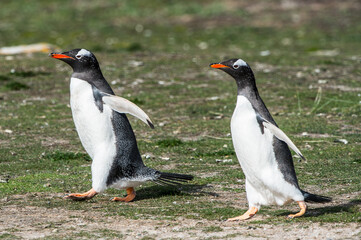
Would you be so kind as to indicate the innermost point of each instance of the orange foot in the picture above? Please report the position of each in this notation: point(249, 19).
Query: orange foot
point(81, 196)
point(247, 215)
point(130, 196)
point(303, 207)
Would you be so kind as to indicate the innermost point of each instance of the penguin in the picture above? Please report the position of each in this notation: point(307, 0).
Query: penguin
point(262, 148)
point(105, 131)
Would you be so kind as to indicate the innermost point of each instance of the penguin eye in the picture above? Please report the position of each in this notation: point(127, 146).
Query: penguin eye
point(78, 56)
point(236, 66)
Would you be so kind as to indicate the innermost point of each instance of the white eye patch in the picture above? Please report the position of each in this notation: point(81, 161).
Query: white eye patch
point(239, 63)
point(83, 52)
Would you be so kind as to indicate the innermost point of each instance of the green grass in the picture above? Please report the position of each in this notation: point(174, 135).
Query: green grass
point(176, 41)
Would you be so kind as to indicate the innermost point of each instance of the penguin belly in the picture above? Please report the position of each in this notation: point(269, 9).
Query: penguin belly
point(95, 130)
point(265, 184)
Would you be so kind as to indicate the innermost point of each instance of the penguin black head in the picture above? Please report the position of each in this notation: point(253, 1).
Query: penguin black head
point(239, 70)
point(81, 60)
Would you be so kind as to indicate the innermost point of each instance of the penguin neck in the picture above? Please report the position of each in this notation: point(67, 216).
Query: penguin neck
point(95, 78)
point(249, 92)
point(247, 88)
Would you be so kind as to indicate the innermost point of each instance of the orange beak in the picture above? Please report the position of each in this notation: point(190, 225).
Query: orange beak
point(57, 55)
point(218, 65)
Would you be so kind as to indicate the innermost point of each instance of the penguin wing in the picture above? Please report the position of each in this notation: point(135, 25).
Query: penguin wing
point(123, 105)
point(279, 134)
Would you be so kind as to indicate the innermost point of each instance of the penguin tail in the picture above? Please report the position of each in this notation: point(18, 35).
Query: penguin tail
point(172, 179)
point(309, 197)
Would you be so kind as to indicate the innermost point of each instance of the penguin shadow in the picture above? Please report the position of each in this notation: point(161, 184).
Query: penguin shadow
point(344, 207)
point(158, 191)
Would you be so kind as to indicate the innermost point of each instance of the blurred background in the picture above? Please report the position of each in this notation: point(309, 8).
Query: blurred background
point(217, 28)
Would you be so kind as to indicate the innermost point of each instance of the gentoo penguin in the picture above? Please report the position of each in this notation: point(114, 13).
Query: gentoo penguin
point(261, 148)
point(105, 132)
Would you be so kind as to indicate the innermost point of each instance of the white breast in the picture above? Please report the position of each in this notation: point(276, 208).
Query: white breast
point(254, 149)
point(255, 154)
point(94, 127)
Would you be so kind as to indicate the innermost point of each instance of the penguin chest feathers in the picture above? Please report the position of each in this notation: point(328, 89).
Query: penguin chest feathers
point(94, 126)
point(253, 143)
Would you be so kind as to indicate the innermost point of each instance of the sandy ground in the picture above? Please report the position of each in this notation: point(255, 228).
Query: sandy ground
point(31, 222)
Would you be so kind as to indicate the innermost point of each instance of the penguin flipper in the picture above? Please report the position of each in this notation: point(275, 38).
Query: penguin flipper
point(123, 105)
point(280, 135)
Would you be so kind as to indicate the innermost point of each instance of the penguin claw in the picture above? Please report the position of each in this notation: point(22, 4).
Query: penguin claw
point(240, 218)
point(130, 196)
point(75, 197)
point(303, 207)
point(247, 215)
point(81, 196)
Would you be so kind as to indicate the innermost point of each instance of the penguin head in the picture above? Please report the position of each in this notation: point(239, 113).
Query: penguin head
point(240, 71)
point(237, 68)
point(81, 60)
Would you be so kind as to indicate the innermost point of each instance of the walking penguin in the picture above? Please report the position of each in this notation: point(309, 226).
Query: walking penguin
point(105, 132)
point(261, 148)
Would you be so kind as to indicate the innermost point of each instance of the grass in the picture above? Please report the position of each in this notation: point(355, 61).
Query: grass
point(190, 104)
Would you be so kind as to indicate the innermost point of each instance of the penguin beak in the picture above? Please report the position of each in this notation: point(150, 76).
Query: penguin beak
point(218, 65)
point(59, 56)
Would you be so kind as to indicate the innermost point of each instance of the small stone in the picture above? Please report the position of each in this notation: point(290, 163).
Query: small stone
point(224, 160)
point(139, 28)
point(341, 140)
point(265, 53)
point(134, 63)
point(8, 131)
point(203, 45)
point(214, 98)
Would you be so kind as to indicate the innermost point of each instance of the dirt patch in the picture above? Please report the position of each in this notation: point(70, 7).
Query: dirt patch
point(31, 222)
